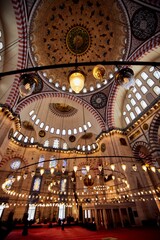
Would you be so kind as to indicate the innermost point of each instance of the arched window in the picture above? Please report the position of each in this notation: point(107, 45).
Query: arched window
point(144, 89)
point(1, 47)
point(52, 130)
point(46, 143)
point(150, 82)
point(34, 117)
point(46, 128)
point(58, 131)
point(84, 171)
point(156, 74)
point(132, 115)
point(144, 75)
point(53, 162)
point(9, 182)
point(37, 121)
point(69, 132)
point(80, 129)
point(41, 161)
point(20, 137)
point(63, 185)
point(133, 102)
point(138, 96)
point(56, 143)
point(31, 113)
point(15, 164)
point(127, 120)
point(64, 163)
point(145, 92)
point(156, 89)
point(138, 82)
point(75, 131)
point(63, 132)
point(65, 146)
point(41, 125)
point(128, 107)
point(137, 109)
point(26, 139)
point(36, 184)
point(143, 104)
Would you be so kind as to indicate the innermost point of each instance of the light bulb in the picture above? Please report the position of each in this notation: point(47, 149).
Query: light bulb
point(123, 166)
point(87, 168)
point(75, 168)
point(112, 167)
point(41, 171)
point(52, 170)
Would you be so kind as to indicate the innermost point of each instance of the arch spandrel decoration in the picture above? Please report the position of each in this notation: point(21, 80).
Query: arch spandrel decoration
point(153, 136)
point(142, 151)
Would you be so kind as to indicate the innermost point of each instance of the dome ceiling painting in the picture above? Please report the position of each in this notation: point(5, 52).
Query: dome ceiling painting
point(77, 31)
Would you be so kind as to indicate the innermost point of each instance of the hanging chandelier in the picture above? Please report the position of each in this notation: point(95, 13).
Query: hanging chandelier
point(125, 78)
point(76, 80)
point(28, 84)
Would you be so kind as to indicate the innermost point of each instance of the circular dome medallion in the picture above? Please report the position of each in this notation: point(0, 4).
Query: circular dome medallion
point(99, 100)
point(78, 40)
point(83, 28)
point(72, 138)
point(144, 23)
point(42, 133)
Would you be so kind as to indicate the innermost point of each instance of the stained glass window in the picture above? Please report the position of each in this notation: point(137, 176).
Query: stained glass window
point(64, 162)
point(56, 143)
point(63, 185)
point(41, 161)
point(53, 162)
point(9, 182)
point(36, 184)
point(84, 171)
point(15, 164)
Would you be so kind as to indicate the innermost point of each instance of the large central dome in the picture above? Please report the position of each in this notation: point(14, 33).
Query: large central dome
point(61, 31)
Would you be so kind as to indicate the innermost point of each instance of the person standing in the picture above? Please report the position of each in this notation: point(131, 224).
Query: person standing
point(25, 222)
point(62, 224)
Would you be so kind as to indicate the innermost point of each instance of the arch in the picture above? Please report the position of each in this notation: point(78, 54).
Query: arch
point(20, 15)
point(149, 45)
point(153, 135)
point(11, 157)
point(145, 48)
point(81, 102)
point(139, 152)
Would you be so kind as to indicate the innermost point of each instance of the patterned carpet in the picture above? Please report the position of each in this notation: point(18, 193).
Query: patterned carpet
point(78, 233)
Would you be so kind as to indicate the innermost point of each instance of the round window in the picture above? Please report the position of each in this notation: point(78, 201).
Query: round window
point(15, 164)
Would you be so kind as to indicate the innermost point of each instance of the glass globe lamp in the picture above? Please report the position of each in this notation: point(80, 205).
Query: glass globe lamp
point(76, 80)
point(27, 84)
point(99, 72)
point(125, 78)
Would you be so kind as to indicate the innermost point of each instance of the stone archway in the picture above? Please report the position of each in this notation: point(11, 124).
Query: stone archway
point(141, 151)
point(153, 137)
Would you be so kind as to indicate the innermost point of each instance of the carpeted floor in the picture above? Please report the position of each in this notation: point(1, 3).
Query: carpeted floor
point(78, 233)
